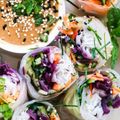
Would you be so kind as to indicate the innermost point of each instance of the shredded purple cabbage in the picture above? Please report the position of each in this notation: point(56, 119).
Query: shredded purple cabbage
point(116, 102)
point(32, 114)
point(105, 107)
point(43, 85)
point(105, 85)
point(43, 117)
point(4, 68)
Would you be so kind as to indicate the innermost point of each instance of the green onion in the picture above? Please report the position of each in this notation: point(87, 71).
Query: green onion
point(96, 34)
point(104, 45)
point(100, 53)
point(62, 47)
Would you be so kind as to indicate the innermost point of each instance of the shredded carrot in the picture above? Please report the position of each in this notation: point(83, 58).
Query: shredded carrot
point(57, 58)
point(67, 31)
point(54, 117)
point(91, 88)
point(96, 1)
point(57, 87)
point(96, 76)
point(75, 34)
point(72, 56)
point(115, 90)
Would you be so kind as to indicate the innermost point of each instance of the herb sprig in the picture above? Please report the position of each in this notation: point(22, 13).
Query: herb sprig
point(113, 23)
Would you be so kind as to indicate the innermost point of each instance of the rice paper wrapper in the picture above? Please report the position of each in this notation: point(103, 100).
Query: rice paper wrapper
point(7, 71)
point(31, 90)
point(22, 108)
point(90, 41)
point(80, 113)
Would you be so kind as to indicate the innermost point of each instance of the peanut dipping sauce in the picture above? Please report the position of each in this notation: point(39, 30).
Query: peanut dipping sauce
point(20, 29)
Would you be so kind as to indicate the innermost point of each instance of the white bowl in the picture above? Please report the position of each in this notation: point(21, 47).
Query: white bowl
point(26, 48)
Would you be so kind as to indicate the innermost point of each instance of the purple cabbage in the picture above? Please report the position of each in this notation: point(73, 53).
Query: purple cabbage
point(105, 85)
point(105, 107)
point(4, 68)
point(43, 117)
point(32, 114)
point(43, 85)
point(116, 102)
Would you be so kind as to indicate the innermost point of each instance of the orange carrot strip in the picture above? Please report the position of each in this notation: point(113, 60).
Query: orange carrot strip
point(57, 87)
point(72, 56)
point(91, 88)
point(57, 58)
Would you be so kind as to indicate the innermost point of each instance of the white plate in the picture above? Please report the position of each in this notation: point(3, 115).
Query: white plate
point(25, 48)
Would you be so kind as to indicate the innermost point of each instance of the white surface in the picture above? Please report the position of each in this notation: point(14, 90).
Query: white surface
point(14, 59)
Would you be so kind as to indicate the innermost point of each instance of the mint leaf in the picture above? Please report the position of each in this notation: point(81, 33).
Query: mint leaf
point(6, 111)
point(115, 52)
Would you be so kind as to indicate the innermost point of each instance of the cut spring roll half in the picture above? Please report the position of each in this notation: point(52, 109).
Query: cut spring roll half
point(98, 7)
point(13, 91)
point(47, 72)
point(36, 110)
point(86, 41)
point(97, 95)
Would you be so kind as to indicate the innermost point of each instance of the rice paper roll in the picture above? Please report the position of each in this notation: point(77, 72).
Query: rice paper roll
point(97, 95)
point(86, 41)
point(13, 91)
point(36, 110)
point(48, 72)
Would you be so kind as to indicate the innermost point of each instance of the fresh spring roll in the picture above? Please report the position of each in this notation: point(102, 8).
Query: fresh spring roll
point(86, 41)
point(13, 91)
point(36, 110)
point(96, 95)
point(47, 72)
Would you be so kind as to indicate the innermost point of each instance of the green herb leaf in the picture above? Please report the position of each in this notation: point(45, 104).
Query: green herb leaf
point(113, 24)
point(71, 16)
point(6, 111)
point(44, 37)
point(116, 31)
point(115, 52)
point(2, 84)
point(113, 17)
point(38, 19)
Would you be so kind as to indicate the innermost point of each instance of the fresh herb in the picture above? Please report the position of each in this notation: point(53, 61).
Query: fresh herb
point(100, 53)
point(84, 85)
point(6, 111)
point(71, 16)
point(44, 37)
point(105, 45)
point(103, 2)
point(113, 23)
point(115, 52)
point(38, 19)
point(2, 84)
point(28, 7)
point(96, 34)
point(93, 51)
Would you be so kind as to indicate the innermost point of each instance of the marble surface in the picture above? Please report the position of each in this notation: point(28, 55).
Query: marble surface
point(13, 60)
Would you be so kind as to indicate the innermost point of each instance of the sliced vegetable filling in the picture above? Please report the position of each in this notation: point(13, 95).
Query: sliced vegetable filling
point(99, 93)
point(49, 70)
point(84, 44)
point(9, 90)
